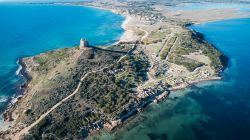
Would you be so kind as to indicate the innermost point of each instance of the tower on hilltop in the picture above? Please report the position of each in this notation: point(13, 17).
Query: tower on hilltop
point(83, 43)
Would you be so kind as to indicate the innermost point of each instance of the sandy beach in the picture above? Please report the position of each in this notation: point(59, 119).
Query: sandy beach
point(129, 34)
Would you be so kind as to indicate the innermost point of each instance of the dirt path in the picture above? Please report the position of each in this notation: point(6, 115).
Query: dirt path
point(145, 35)
point(26, 129)
point(166, 42)
point(172, 47)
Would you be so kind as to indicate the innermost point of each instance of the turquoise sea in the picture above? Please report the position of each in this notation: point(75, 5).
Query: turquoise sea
point(215, 110)
point(26, 30)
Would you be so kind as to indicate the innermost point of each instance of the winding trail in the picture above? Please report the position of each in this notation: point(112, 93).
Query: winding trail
point(26, 129)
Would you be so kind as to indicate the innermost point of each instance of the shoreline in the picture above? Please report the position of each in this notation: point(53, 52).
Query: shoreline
point(183, 86)
point(193, 83)
point(226, 19)
point(127, 32)
point(7, 114)
point(126, 35)
point(23, 73)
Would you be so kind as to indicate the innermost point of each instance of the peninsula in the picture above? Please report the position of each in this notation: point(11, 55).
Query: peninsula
point(74, 92)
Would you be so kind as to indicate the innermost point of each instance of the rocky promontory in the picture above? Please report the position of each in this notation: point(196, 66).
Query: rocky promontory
point(74, 92)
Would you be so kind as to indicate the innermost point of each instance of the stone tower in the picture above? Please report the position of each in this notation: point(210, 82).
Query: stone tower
point(83, 43)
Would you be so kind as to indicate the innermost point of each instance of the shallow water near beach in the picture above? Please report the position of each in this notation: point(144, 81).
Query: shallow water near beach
point(28, 29)
point(215, 110)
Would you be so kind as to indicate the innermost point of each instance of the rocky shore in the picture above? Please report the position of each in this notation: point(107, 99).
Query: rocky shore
point(7, 115)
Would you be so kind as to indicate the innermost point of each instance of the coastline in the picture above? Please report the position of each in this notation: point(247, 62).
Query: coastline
point(226, 19)
point(126, 36)
point(193, 83)
point(23, 72)
point(7, 114)
point(20, 72)
point(8, 117)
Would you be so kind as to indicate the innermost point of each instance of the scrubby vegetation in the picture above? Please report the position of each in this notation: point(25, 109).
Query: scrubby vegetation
point(51, 59)
point(218, 60)
point(103, 95)
point(167, 47)
point(156, 36)
point(140, 33)
point(64, 81)
point(190, 64)
point(122, 46)
point(190, 42)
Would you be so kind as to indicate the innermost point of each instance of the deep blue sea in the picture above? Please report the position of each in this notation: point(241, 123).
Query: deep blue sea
point(215, 110)
point(26, 30)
